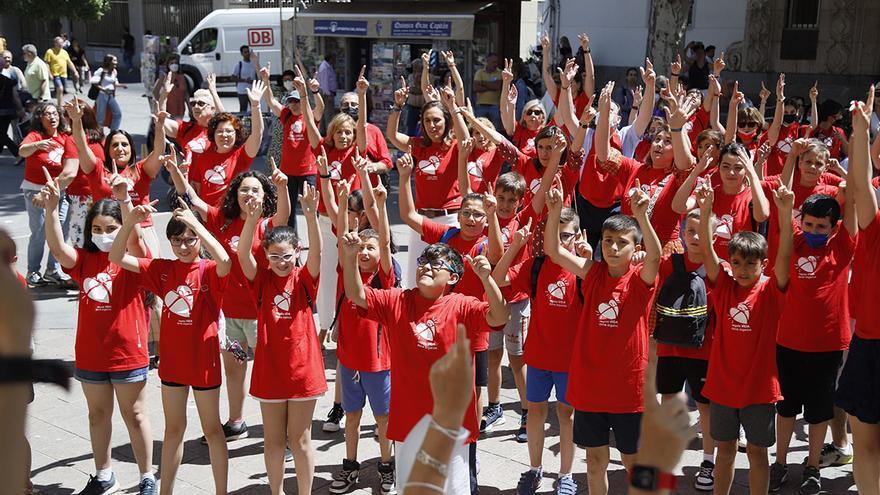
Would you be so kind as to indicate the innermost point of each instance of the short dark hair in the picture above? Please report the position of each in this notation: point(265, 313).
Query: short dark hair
point(733, 148)
point(821, 206)
point(477, 197)
point(104, 208)
point(281, 234)
point(242, 47)
point(567, 216)
point(108, 159)
point(511, 182)
point(749, 245)
point(441, 251)
point(792, 102)
point(623, 223)
point(828, 108)
point(174, 228)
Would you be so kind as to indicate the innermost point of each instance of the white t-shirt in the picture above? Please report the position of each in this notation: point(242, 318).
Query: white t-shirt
point(244, 70)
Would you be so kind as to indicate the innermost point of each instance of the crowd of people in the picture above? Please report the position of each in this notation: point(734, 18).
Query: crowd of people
point(624, 247)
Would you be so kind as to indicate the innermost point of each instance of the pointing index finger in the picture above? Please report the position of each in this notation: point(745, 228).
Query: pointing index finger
point(363, 70)
point(49, 178)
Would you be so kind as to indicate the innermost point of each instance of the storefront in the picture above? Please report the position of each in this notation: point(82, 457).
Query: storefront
point(387, 37)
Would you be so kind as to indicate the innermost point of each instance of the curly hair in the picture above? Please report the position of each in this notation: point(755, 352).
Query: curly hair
point(230, 207)
point(447, 119)
point(216, 120)
point(37, 119)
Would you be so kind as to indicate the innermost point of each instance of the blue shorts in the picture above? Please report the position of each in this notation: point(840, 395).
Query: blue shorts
point(112, 377)
point(357, 386)
point(59, 81)
point(540, 382)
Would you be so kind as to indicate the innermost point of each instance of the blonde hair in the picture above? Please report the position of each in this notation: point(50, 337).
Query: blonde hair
point(527, 107)
point(338, 121)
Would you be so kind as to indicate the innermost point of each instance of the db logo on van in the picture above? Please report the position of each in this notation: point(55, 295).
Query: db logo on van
point(261, 37)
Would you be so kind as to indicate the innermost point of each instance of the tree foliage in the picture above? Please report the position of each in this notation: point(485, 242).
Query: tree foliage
point(84, 10)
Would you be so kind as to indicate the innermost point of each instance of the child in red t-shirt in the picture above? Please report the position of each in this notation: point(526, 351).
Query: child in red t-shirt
point(742, 382)
point(111, 333)
point(786, 127)
point(605, 390)
point(288, 375)
point(192, 290)
point(556, 307)
point(422, 323)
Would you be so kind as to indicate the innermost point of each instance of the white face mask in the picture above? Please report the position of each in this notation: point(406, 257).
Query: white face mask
point(104, 241)
point(288, 85)
point(174, 67)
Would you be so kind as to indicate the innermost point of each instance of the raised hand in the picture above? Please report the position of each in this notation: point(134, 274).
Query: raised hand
point(559, 143)
point(784, 198)
point(512, 94)
point(449, 57)
point(426, 58)
point(481, 266)
point(405, 166)
point(705, 161)
point(719, 64)
point(507, 73)
point(74, 109)
point(321, 160)
point(141, 213)
point(737, 97)
point(255, 92)
point(582, 247)
point(50, 195)
point(705, 197)
point(253, 208)
point(714, 85)
point(277, 177)
point(814, 92)
point(351, 243)
point(466, 146)
point(605, 97)
point(299, 81)
point(639, 201)
point(637, 95)
point(167, 85)
point(308, 200)
point(402, 93)
point(584, 41)
point(380, 193)
point(780, 87)
point(265, 72)
point(799, 146)
point(764, 94)
point(522, 236)
point(314, 85)
point(362, 84)
point(567, 75)
point(675, 66)
point(545, 43)
point(761, 154)
point(861, 111)
point(647, 72)
point(185, 215)
point(212, 81)
point(554, 196)
point(490, 202)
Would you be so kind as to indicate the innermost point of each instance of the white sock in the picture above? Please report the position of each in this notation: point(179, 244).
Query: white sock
point(104, 474)
point(709, 457)
point(149, 475)
point(564, 475)
point(536, 469)
point(846, 450)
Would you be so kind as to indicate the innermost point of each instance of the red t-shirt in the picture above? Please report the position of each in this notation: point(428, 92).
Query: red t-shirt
point(817, 316)
point(421, 331)
point(80, 185)
point(742, 371)
point(190, 346)
point(556, 309)
point(866, 268)
point(140, 193)
point(830, 139)
point(339, 167)
point(112, 325)
point(778, 154)
point(668, 350)
point(733, 214)
point(524, 140)
point(297, 155)
point(435, 173)
point(214, 171)
point(483, 167)
point(509, 227)
point(192, 138)
point(611, 346)
point(287, 360)
point(377, 147)
point(603, 185)
point(228, 232)
point(362, 344)
point(580, 103)
point(62, 148)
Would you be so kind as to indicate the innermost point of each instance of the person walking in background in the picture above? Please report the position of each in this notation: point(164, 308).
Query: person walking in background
point(170, 76)
point(10, 110)
point(128, 49)
point(59, 63)
point(245, 73)
point(487, 86)
point(36, 74)
point(327, 79)
point(81, 62)
point(107, 80)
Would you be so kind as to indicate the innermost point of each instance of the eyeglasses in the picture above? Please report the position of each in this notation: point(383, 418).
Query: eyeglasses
point(435, 264)
point(566, 236)
point(277, 258)
point(476, 215)
point(184, 241)
point(198, 103)
point(535, 111)
point(345, 106)
point(743, 125)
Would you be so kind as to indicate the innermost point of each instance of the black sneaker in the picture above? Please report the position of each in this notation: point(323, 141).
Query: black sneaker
point(529, 482)
point(778, 476)
point(811, 484)
point(95, 487)
point(231, 432)
point(34, 279)
point(521, 435)
point(288, 455)
point(147, 487)
point(334, 419)
point(492, 416)
point(345, 479)
point(386, 478)
point(704, 481)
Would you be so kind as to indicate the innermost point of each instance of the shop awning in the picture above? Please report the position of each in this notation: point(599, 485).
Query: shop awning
point(403, 20)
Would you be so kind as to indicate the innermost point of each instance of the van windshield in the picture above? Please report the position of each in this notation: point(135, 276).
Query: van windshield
point(205, 41)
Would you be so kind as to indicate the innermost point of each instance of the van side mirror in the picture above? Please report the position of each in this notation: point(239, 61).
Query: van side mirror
point(187, 50)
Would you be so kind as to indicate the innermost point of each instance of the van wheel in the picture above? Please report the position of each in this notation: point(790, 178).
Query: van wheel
point(193, 80)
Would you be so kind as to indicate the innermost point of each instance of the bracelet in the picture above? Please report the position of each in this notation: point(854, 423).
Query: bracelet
point(395, 108)
point(424, 458)
point(324, 176)
point(673, 74)
point(127, 199)
point(634, 107)
point(565, 87)
point(419, 484)
point(316, 92)
point(585, 126)
point(452, 434)
point(588, 50)
point(675, 129)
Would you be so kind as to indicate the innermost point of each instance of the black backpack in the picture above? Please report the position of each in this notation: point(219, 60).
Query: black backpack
point(682, 307)
point(536, 271)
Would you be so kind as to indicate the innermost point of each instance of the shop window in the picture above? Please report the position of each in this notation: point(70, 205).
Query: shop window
point(800, 38)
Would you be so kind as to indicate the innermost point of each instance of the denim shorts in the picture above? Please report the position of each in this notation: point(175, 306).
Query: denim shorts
point(112, 377)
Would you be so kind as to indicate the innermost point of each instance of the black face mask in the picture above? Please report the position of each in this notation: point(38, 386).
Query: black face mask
point(789, 118)
point(353, 111)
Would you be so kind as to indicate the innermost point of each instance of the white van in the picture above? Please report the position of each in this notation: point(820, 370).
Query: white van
point(213, 45)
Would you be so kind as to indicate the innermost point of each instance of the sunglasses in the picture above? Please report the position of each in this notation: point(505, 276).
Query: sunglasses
point(435, 264)
point(197, 103)
point(183, 241)
point(535, 111)
point(277, 258)
point(743, 125)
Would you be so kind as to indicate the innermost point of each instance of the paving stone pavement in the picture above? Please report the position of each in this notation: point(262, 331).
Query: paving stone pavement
point(58, 420)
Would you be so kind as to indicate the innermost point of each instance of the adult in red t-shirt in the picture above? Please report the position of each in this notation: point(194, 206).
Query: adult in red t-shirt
point(112, 326)
point(522, 128)
point(45, 147)
point(79, 191)
point(742, 382)
point(605, 390)
point(288, 376)
point(192, 291)
point(192, 135)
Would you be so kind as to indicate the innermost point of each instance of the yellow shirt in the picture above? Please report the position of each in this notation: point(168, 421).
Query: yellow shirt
point(57, 61)
point(488, 97)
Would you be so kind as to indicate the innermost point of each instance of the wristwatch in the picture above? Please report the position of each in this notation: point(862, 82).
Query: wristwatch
point(651, 479)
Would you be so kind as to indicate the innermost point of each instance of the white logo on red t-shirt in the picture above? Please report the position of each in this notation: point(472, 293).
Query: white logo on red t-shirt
point(430, 166)
point(54, 155)
point(216, 175)
point(180, 301)
point(99, 288)
point(282, 302)
point(335, 170)
point(505, 236)
point(724, 229)
point(740, 316)
point(608, 313)
point(530, 143)
point(829, 141)
point(785, 145)
point(475, 169)
point(535, 185)
point(233, 243)
point(199, 144)
point(807, 265)
point(424, 333)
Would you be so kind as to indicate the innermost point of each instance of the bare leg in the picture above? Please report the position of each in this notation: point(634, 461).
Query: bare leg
point(235, 385)
point(384, 443)
point(518, 368)
point(174, 406)
point(535, 429)
point(132, 404)
point(274, 442)
point(494, 388)
point(352, 434)
point(566, 436)
point(299, 431)
point(99, 399)
point(759, 469)
point(866, 458)
point(784, 431)
point(838, 429)
point(597, 469)
point(708, 443)
point(208, 404)
point(724, 462)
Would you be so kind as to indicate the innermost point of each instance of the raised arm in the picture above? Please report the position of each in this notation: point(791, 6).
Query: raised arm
point(674, 72)
point(87, 160)
point(814, 108)
point(784, 199)
point(562, 257)
point(549, 178)
point(677, 116)
point(152, 164)
point(498, 312)
point(764, 95)
point(252, 144)
point(602, 136)
point(279, 180)
point(580, 133)
point(254, 211)
point(797, 149)
point(350, 244)
point(408, 212)
point(683, 201)
point(714, 97)
point(212, 88)
point(640, 202)
point(491, 134)
point(400, 140)
point(425, 75)
point(315, 88)
point(131, 218)
point(705, 198)
point(507, 105)
point(589, 72)
point(565, 110)
point(456, 77)
point(364, 168)
point(646, 108)
point(384, 229)
point(308, 201)
point(182, 186)
point(502, 269)
point(308, 115)
point(760, 204)
point(63, 252)
point(496, 242)
point(549, 84)
point(465, 148)
point(362, 86)
point(274, 105)
point(458, 124)
point(773, 132)
point(732, 114)
point(859, 169)
point(209, 242)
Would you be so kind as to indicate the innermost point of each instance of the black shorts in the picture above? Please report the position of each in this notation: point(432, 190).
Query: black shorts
point(592, 429)
point(807, 382)
point(481, 368)
point(199, 389)
point(673, 372)
point(858, 389)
